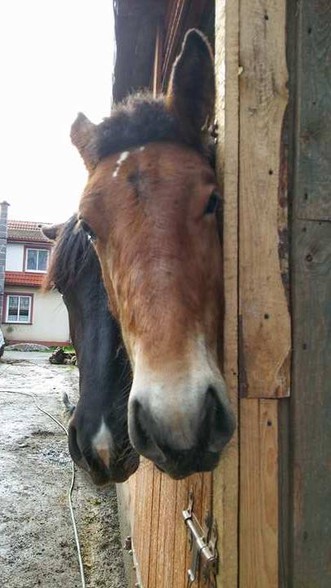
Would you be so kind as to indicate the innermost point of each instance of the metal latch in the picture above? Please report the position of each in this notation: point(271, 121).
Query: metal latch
point(203, 547)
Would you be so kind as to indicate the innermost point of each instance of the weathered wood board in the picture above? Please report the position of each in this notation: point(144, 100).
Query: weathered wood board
point(258, 546)
point(313, 89)
point(226, 476)
point(311, 407)
point(265, 340)
point(160, 540)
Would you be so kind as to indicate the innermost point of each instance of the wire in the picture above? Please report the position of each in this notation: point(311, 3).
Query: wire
point(72, 483)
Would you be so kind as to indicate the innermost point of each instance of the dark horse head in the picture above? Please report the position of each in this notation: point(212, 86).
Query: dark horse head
point(150, 206)
point(98, 437)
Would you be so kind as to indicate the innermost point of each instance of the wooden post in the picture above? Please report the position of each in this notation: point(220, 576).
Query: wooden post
point(264, 327)
point(255, 229)
point(265, 324)
point(310, 456)
point(226, 478)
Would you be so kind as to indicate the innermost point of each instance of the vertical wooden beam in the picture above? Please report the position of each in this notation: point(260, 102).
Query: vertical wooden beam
point(226, 477)
point(165, 540)
point(259, 494)
point(142, 519)
point(265, 322)
point(310, 473)
point(155, 528)
point(313, 121)
point(125, 512)
point(181, 538)
point(311, 406)
point(264, 328)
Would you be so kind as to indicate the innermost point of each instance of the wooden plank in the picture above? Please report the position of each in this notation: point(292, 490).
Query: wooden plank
point(145, 495)
point(181, 554)
point(284, 433)
point(195, 486)
point(265, 324)
point(258, 493)
point(155, 528)
point(164, 542)
point(311, 406)
point(166, 554)
point(133, 487)
point(201, 486)
point(226, 476)
point(313, 132)
point(125, 512)
point(143, 519)
point(206, 507)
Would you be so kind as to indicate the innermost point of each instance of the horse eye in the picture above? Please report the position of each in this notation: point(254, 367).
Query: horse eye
point(213, 203)
point(87, 229)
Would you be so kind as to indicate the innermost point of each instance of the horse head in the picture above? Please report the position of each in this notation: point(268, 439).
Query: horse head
point(150, 208)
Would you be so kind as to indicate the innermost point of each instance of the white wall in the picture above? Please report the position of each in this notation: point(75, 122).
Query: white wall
point(49, 318)
point(14, 257)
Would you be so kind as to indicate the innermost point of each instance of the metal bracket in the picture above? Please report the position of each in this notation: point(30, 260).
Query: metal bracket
point(203, 546)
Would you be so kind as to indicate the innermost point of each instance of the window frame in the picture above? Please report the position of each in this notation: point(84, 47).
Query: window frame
point(19, 295)
point(38, 249)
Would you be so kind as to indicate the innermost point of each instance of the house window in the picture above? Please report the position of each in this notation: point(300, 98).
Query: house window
point(18, 308)
point(36, 260)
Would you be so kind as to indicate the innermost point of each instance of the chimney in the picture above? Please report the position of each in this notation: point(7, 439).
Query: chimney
point(3, 247)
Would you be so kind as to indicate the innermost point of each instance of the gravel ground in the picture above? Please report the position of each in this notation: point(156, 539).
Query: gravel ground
point(37, 547)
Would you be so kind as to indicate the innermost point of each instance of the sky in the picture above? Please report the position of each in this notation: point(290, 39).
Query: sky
point(56, 59)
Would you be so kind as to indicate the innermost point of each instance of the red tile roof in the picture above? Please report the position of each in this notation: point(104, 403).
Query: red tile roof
point(23, 279)
point(26, 231)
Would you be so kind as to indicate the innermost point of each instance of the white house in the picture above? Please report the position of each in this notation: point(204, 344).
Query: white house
point(28, 313)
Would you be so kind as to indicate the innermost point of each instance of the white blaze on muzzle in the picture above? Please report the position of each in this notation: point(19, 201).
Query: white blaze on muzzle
point(103, 443)
point(173, 399)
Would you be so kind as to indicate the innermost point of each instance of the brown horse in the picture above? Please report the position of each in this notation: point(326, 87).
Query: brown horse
point(150, 207)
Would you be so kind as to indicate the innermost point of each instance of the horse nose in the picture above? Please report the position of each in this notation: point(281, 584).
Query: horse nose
point(154, 437)
point(142, 430)
point(218, 423)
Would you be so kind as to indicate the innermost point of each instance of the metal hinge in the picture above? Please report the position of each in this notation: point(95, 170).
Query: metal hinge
point(203, 546)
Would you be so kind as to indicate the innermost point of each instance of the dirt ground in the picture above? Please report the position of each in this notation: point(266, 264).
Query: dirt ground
point(37, 547)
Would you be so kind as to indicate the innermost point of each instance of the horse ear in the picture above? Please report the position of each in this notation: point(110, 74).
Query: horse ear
point(52, 231)
point(191, 91)
point(83, 136)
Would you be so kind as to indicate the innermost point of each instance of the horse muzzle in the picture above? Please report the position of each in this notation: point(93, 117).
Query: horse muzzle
point(182, 443)
point(118, 470)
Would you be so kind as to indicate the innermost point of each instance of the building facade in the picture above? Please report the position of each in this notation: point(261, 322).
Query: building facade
point(28, 313)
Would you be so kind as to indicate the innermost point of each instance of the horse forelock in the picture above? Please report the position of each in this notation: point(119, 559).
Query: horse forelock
point(139, 120)
point(70, 254)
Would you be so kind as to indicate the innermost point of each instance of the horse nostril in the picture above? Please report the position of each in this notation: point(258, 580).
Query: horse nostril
point(143, 432)
point(140, 424)
point(219, 421)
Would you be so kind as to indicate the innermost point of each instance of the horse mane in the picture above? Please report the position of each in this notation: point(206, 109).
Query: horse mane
point(138, 120)
point(72, 251)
